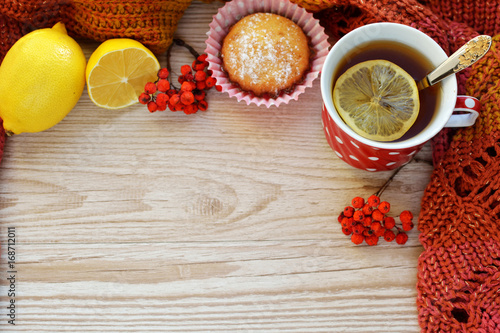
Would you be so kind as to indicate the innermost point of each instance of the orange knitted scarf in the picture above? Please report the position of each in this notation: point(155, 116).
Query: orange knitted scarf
point(459, 271)
point(152, 22)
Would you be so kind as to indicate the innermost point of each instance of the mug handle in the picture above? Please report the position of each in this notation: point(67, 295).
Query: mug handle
point(469, 108)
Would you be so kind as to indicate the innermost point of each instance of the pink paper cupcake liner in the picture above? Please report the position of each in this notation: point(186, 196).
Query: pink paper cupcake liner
point(232, 12)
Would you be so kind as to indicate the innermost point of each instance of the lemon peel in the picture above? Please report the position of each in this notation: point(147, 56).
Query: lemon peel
point(377, 99)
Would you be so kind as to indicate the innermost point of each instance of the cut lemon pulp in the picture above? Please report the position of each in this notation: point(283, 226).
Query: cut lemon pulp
point(117, 72)
point(377, 99)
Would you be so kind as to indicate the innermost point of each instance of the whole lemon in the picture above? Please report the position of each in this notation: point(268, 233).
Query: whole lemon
point(41, 79)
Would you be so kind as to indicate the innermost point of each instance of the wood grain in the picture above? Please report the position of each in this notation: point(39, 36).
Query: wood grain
point(222, 221)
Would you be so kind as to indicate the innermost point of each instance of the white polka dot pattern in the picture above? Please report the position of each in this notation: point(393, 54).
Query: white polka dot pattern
point(469, 102)
point(360, 155)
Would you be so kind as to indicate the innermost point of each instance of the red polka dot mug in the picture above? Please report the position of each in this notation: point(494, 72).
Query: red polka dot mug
point(450, 110)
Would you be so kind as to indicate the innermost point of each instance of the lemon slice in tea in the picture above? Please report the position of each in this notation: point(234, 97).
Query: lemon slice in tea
point(377, 99)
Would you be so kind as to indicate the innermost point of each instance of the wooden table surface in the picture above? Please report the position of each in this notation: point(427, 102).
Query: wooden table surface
point(222, 221)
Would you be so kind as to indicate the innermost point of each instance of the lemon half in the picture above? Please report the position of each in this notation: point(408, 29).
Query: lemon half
point(117, 72)
point(377, 99)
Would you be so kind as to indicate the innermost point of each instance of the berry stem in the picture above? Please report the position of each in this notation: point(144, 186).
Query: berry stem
point(388, 181)
point(169, 66)
point(180, 42)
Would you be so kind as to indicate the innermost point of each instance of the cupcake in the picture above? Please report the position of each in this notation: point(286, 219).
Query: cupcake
point(267, 52)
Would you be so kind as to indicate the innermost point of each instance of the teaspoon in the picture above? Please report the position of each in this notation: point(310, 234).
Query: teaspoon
point(465, 56)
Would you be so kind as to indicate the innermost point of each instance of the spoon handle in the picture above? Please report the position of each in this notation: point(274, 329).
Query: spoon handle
point(465, 56)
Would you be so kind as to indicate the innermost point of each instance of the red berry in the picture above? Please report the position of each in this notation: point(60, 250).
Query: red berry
point(218, 88)
point(198, 65)
point(202, 57)
point(347, 231)
point(150, 88)
point(348, 211)
point(401, 238)
point(174, 99)
point(144, 98)
point(406, 216)
point(371, 240)
point(389, 222)
point(347, 222)
point(199, 94)
point(162, 100)
point(179, 107)
point(201, 85)
point(185, 69)
point(187, 86)
point(367, 209)
point(163, 85)
point(161, 107)
point(358, 202)
point(201, 62)
point(358, 216)
point(368, 232)
point(380, 232)
point(191, 108)
point(367, 222)
point(210, 82)
point(152, 106)
point(200, 76)
point(384, 207)
point(163, 73)
point(187, 98)
point(181, 79)
point(373, 200)
point(407, 226)
point(377, 215)
point(357, 239)
point(358, 228)
point(376, 226)
point(341, 216)
point(389, 235)
point(203, 105)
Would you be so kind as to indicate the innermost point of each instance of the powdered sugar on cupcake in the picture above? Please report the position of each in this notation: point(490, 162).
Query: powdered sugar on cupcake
point(265, 53)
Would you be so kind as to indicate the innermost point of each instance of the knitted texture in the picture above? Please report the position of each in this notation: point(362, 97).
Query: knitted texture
point(17, 18)
point(459, 271)
point(151, 22)
point(479, 15)
point(314, 5)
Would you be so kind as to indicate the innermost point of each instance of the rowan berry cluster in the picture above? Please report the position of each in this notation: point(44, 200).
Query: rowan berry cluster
point(368, 221)
point(195, 80)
